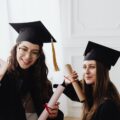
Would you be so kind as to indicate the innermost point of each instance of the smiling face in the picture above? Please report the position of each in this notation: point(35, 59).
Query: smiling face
point(89, 71)
point(27, 54)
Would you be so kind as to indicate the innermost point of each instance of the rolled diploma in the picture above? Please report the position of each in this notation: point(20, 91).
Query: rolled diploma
point(52, 101)
point(76, 86)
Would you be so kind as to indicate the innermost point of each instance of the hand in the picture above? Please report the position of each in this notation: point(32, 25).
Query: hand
point(53, 112)
point(71, 77)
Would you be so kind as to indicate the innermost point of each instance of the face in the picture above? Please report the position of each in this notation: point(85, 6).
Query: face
point(89, 71)
point(27, 54)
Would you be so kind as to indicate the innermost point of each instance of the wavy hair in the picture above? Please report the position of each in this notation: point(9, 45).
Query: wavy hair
point(39, 71)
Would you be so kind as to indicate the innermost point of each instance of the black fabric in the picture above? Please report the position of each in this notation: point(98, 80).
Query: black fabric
point(11, 107)
point(34, 32)
point(10, 103)
point(107, 111)
point(103, 54)
point(69, 91)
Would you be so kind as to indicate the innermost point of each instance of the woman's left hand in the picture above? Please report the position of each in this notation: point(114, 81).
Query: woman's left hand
point(53, 112)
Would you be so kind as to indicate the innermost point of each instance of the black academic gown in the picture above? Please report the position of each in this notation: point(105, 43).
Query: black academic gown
point(11, 107)
point(107, 111)
point(10, 103)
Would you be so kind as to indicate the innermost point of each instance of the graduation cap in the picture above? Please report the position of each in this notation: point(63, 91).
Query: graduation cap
point(36, 33)
point(103, 54)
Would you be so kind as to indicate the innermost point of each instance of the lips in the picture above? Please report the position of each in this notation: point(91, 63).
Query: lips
point(26, 62)
point(88, 77)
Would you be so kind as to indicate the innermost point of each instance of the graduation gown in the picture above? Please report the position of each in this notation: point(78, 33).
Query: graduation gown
point(10, 104)
point(11, 107)
point(69, 91)
point(108, 110)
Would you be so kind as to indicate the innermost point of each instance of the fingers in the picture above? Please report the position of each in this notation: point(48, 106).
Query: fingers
point(71, 77)
point(74, 75)
point(53, 111)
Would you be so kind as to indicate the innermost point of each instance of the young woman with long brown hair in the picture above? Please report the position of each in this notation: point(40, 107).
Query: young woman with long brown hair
point(102, 97)
point(25, 88)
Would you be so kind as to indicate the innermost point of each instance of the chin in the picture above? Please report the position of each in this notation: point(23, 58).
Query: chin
point(24, 67)
point(89, 82)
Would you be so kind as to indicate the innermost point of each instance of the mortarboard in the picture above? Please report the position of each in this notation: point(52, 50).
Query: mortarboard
point(36, 33)
point(103, 54)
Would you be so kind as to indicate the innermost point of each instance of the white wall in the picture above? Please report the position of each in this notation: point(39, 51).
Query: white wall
point(31, 10)
point(83, 20)
point(72, 23)
point(4, 30)
point(48, 11)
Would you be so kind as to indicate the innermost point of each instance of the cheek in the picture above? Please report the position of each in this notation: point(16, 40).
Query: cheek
point(33, 61)
point(94, 76)
point(17, 56)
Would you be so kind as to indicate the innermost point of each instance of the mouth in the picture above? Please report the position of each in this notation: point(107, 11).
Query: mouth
point(88, 77)
point(25, 62)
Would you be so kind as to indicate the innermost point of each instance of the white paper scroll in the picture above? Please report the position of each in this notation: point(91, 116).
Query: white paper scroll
point(52, 101)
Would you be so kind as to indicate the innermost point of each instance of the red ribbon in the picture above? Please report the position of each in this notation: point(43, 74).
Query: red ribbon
point(47, 108)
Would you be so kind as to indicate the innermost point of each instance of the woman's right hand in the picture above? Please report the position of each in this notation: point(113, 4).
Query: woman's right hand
point(71, 77)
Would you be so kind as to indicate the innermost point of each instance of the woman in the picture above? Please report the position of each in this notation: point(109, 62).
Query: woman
point(102, 98)
point(25, 88)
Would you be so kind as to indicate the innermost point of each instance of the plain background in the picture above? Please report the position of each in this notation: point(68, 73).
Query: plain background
point(73, 23)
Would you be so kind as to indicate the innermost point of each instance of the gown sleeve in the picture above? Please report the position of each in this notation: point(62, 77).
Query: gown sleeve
point(70, 92)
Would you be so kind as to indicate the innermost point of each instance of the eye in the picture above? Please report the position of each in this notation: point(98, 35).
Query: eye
point(92, 66)
point(23, 49)
point(35, 53)
point(84, 67)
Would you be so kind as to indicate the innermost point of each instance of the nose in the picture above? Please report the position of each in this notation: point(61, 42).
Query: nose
point(87, 70)
point(28, 56)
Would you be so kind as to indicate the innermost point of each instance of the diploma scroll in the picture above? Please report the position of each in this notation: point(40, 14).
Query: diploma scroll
point(52, 101)
point(76, 86)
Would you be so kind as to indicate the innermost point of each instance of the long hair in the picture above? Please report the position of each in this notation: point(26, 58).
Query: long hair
point(102, 90)
point(38, 70)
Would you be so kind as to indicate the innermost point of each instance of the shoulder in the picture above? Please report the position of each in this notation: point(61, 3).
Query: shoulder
point(49, 83)
point(108, 105)
point(3, 68)
point(109, 110)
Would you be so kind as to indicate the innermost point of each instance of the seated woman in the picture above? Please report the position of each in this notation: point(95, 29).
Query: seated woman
point(102, 97)
point(25, 87)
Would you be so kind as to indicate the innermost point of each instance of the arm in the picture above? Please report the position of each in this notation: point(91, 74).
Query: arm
point(70, 91)
point(39, 102)
point(60, 115)
point(54, 113)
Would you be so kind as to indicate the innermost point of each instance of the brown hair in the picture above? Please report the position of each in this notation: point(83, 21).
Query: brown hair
point(102, 90)
point(39, 71)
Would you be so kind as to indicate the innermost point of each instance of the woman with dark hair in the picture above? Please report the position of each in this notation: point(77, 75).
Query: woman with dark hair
point(102, 97)
point(25, 88)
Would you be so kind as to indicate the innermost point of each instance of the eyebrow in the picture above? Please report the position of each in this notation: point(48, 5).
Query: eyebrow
point(28, 48)
point(89, 64)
